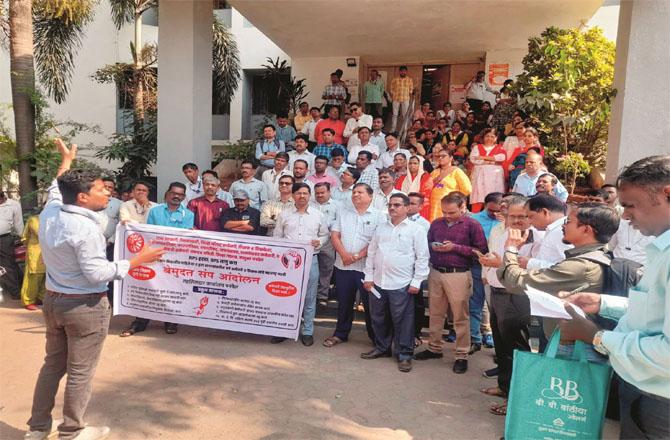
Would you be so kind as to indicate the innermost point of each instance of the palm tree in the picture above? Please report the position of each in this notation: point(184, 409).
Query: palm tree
point(44, 36)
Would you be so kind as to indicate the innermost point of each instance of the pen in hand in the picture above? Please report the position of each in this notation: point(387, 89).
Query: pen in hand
point(577, 290)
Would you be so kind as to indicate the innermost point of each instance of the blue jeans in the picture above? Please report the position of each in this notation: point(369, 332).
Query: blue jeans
point(476, 304)
point(643, 415)
point(309, 311)
point(347, 283)
point(393, 321)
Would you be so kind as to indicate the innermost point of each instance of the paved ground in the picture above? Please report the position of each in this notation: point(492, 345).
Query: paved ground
point(201, 384)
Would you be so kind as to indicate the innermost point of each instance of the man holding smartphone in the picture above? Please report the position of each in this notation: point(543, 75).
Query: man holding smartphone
point(452, 240)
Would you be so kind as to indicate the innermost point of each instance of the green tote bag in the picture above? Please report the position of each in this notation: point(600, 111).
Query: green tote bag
point(554, 398)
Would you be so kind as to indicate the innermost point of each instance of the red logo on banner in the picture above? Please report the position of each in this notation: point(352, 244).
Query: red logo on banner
point(291, 258)
point(135, 242)
point(281, 288)
point(201, 308)
point(142, 273)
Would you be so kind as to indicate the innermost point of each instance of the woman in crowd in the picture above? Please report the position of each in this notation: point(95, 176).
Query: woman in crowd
point(463, 112)
point(513, 141)
point(417, 180)
point(446, 178)
point(33, 288)
point(488, 174)
point(457, 135)
point(517, 161)
point(447, 113)
point(487, 114)
point(413, 142)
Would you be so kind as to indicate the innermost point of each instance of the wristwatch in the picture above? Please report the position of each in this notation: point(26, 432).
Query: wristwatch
point(598, 343)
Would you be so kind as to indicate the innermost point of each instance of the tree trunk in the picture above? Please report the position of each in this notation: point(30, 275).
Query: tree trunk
point(23, 86)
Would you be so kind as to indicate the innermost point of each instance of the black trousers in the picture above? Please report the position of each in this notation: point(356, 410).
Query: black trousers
point(10, 281)
point(510, 321)
point(475, 105)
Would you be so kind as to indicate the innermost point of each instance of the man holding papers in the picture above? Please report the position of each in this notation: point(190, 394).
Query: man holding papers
point(639, 347)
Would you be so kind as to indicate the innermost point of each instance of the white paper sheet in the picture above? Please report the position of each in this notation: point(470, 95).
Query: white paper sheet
point(550, 306)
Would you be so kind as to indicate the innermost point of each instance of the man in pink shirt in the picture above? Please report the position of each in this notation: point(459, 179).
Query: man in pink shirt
point(320, 174)
point(333, 122)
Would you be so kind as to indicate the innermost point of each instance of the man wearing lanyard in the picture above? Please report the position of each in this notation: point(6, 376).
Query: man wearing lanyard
point(173, 214)
point(76, 309)
point(304, 223)
point(639, 346)
point(194, 186)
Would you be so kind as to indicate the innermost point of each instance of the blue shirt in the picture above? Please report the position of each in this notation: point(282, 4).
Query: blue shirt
point(526, 185)
point(486, 221)
point(639, 346)
point(180, 218)
point(264, 146)
point(325, 150)
point(286, 134)
point(73, 248)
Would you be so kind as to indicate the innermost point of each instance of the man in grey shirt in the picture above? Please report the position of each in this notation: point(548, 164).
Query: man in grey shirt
point(76, 309)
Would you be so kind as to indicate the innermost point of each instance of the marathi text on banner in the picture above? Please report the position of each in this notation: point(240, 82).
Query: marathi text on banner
point(236, 282)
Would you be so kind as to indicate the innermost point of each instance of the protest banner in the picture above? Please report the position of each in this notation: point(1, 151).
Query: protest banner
point(245, 283)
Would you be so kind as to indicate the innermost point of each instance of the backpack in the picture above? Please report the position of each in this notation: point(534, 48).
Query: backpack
point(620, 274)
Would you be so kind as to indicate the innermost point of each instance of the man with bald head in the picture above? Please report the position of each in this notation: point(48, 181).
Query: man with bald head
point(526, 182)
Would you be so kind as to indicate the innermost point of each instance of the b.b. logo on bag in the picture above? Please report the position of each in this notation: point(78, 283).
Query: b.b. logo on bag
point(560, 389)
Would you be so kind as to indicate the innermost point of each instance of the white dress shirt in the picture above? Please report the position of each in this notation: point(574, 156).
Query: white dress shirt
point(552, 249)
point(309, 129)
point(11, 218)
point(271, 180)
point(305, 226)
point(497, 246)
point(380, 201)
point(74, 248)
point(356, 231)
point(308, 157)
point(329, 210)
point(131, 211)
point(343, 196)
point(419, 220)
point(629, 243)
point(354, 150)
point(352, 124)
point(379, 140)
point(397, 256)
point(194, 190)
point(386, 159)
point(109, 218)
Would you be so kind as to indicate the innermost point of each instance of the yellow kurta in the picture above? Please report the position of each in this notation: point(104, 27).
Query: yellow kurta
point(457, 180)
point(33, 287)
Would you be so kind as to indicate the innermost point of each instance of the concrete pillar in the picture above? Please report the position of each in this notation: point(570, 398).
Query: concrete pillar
point(640, 121)
point(184, 88)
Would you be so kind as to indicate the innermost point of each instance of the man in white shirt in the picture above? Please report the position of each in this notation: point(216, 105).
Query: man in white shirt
point(271, 177)
point(272, 208)
point(392, 148)
point(378, 137)
point(397, 263)
point(337, 164)
point(194, 185)
point(358, 119)
point(303, 223)
point(629, 243)
point(475, 91)
point(347, 181)
point(310, 126)
point(364, 145)
point(301, 152)
point(416, 202)
point(11, 226)
point(526, 182)
point(386, 190)
point(546, 213)
point(351, 234)
point(328, 207)
point(369, 173)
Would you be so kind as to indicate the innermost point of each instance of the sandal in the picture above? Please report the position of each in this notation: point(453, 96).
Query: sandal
point(134, 328)
point(499, 410)
point(332, 341)
point(493, 391)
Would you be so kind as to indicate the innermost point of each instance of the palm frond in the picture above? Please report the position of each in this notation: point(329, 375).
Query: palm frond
point(123, 12)
point(58, 33)
point(226, 61)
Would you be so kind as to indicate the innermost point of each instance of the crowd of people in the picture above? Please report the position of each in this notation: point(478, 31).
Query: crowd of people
point(465, 210)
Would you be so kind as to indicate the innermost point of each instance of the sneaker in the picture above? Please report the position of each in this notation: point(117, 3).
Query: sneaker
point(491, 373)
point(451, 337)
point(427, 354)
point(474, 347)
point(307, 340)
point(41, 435)
point(460, 366)
point(487, 339)
point(93, 433)
point(405, 366)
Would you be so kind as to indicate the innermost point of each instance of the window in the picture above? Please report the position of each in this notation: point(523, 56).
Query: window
point(264, 97)
point(221, 4)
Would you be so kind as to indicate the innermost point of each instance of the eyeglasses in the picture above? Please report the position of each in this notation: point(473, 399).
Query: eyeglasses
point(353, 109)
point(284, 183)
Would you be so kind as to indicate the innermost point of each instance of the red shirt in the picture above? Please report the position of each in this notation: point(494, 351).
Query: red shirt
point(207, 214)
point(338, 126)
